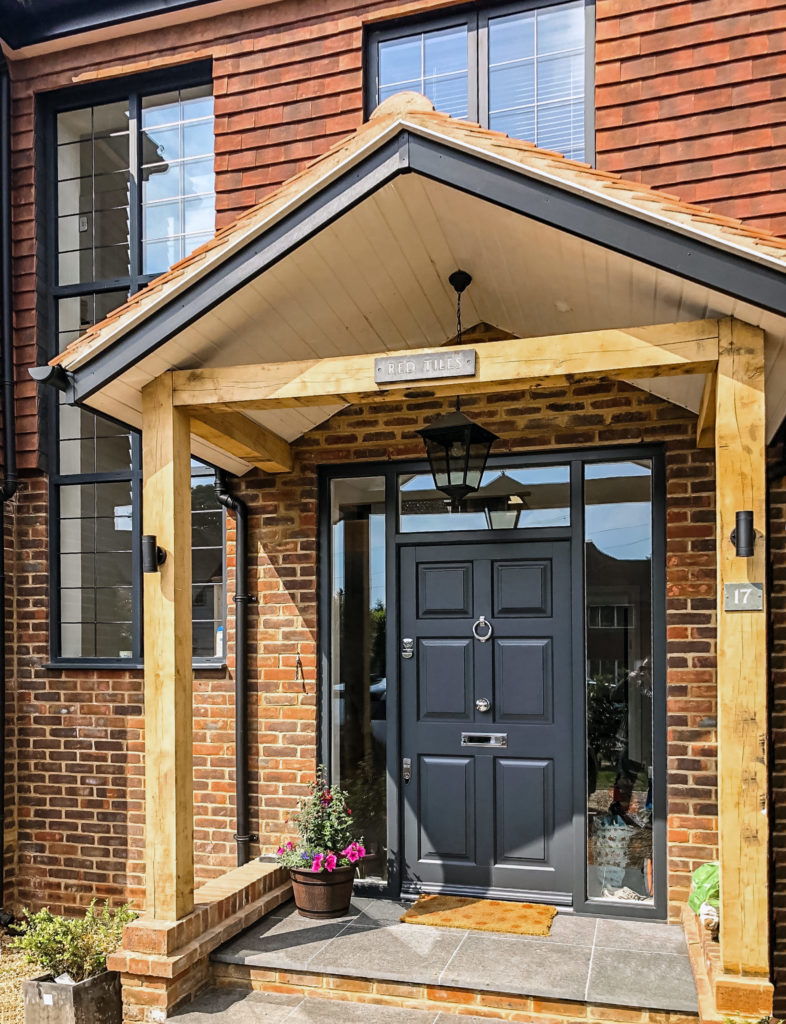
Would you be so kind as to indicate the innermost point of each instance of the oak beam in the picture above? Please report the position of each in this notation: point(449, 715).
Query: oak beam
point(237, 434)
point(169, 770)
point(661, 350)
point(742, 657)
point(705, 426)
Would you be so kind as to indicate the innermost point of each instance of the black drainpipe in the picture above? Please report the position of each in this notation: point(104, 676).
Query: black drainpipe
point(10, 477)
point(243, 837)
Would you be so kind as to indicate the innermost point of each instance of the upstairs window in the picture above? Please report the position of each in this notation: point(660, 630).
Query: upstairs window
point(133, 192)
point(521, 70)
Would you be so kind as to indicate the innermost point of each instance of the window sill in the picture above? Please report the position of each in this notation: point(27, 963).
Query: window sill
point(109, 664)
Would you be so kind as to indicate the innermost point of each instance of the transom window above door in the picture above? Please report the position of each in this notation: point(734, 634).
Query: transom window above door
point(522, 70)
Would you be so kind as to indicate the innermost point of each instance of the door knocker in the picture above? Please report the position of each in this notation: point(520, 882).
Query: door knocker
point(480, 624)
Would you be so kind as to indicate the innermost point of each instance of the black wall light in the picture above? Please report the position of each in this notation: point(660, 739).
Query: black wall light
point(743, 536)
point(152, 554)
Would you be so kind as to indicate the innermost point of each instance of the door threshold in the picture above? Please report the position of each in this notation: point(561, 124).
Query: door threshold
point(557, 899)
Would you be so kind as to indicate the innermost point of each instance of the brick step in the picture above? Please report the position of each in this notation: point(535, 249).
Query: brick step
point(445, 999)
point(224, 1005)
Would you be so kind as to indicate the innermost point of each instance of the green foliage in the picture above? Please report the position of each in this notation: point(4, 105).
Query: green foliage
point(77, 946)
point(325, 827)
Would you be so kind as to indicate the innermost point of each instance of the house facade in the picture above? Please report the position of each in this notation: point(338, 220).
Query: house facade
point(231, 237)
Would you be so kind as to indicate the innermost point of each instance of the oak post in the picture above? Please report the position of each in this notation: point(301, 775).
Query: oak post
point(169, 774)
point(742, 655)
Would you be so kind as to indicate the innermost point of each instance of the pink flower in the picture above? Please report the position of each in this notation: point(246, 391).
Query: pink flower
point(280, 850)
point(361, 850)
point(330, 861)
point(289, 846)
point(316, 864)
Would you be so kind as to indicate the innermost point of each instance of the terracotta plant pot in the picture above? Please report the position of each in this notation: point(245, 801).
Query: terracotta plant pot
point(322, 894)
point(93, 1001)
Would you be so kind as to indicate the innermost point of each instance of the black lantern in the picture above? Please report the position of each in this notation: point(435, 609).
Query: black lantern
point(502, 501)
point(457, 450)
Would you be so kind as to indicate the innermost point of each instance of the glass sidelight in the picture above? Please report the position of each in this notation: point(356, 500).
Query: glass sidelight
point(358, 685)
point(620, 768)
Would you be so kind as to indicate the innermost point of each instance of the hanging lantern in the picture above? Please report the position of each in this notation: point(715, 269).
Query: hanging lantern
point(502, 501)
point(457, 449)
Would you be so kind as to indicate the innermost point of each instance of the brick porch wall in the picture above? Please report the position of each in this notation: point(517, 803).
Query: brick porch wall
point(77, 743)
point(284, 534)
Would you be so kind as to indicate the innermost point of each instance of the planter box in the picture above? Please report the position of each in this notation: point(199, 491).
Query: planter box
point(322, 894)
point(94, 1001)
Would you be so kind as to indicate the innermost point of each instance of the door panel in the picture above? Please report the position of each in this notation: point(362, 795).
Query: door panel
point(523, 679)
point(445, 684)
point(524, 804)
point(444, 590)
point(447, 801)
point(522, 587)
point(487, 817)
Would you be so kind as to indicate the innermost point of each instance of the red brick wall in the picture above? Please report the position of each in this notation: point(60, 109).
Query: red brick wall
point(76, 744)
point(284, 532)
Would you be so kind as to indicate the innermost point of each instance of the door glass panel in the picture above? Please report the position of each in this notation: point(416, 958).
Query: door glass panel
point(358, 685)
point(510, 498)
point(618, 565)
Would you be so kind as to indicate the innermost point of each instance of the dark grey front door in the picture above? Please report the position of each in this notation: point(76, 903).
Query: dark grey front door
point(486, 718)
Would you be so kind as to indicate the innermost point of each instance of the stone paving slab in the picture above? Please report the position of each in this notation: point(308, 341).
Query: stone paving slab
point(637, 964)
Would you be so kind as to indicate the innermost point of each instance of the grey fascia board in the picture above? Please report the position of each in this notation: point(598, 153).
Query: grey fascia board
point(263, 252)
point(614, 229)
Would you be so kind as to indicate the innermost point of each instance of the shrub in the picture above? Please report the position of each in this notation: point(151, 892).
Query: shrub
point(77, 946)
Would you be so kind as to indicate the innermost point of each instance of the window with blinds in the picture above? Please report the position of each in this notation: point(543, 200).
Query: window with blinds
point(521, 70)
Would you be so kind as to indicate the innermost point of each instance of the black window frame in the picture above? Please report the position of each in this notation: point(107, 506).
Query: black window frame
point(49, 292)
point(476, 18)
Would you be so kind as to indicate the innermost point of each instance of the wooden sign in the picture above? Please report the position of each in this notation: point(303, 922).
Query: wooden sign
point(425, 366)
point(743, 597)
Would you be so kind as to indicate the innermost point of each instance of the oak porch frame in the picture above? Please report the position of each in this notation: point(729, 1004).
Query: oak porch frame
point(216, 400)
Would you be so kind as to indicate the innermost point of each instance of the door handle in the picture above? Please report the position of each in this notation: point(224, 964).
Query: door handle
point(482, 623)
point(406, 768)
point(483, 704)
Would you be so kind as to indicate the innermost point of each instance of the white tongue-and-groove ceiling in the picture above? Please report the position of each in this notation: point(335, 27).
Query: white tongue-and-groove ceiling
point(376, 280)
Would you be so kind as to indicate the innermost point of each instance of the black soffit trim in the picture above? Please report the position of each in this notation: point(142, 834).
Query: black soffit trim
point(28, 22)
point(583, 216)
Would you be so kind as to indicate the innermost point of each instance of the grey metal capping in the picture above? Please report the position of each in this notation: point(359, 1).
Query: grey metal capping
point(586, 217)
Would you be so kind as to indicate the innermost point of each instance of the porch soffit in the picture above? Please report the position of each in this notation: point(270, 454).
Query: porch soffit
point(366, 270)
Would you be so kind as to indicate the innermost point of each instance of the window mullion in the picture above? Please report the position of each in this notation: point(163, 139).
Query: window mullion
point(134, 190)
point(478, 34)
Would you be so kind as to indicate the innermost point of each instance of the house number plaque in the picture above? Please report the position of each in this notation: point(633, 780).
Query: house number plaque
point(425, 366)
point(743, 597)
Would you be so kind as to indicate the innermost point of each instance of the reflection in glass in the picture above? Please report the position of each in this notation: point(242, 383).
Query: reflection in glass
point(618, 565)
point(358, 673)
point(510, 498)
point(95, 570)
point(536, 77)
point(178, 181)
point(433, 63)
point(207, 565)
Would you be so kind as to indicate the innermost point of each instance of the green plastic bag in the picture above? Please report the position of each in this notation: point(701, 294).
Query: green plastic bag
point(705, 887)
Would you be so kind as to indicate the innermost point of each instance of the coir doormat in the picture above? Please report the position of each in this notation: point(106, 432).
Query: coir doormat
point(481, 915)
